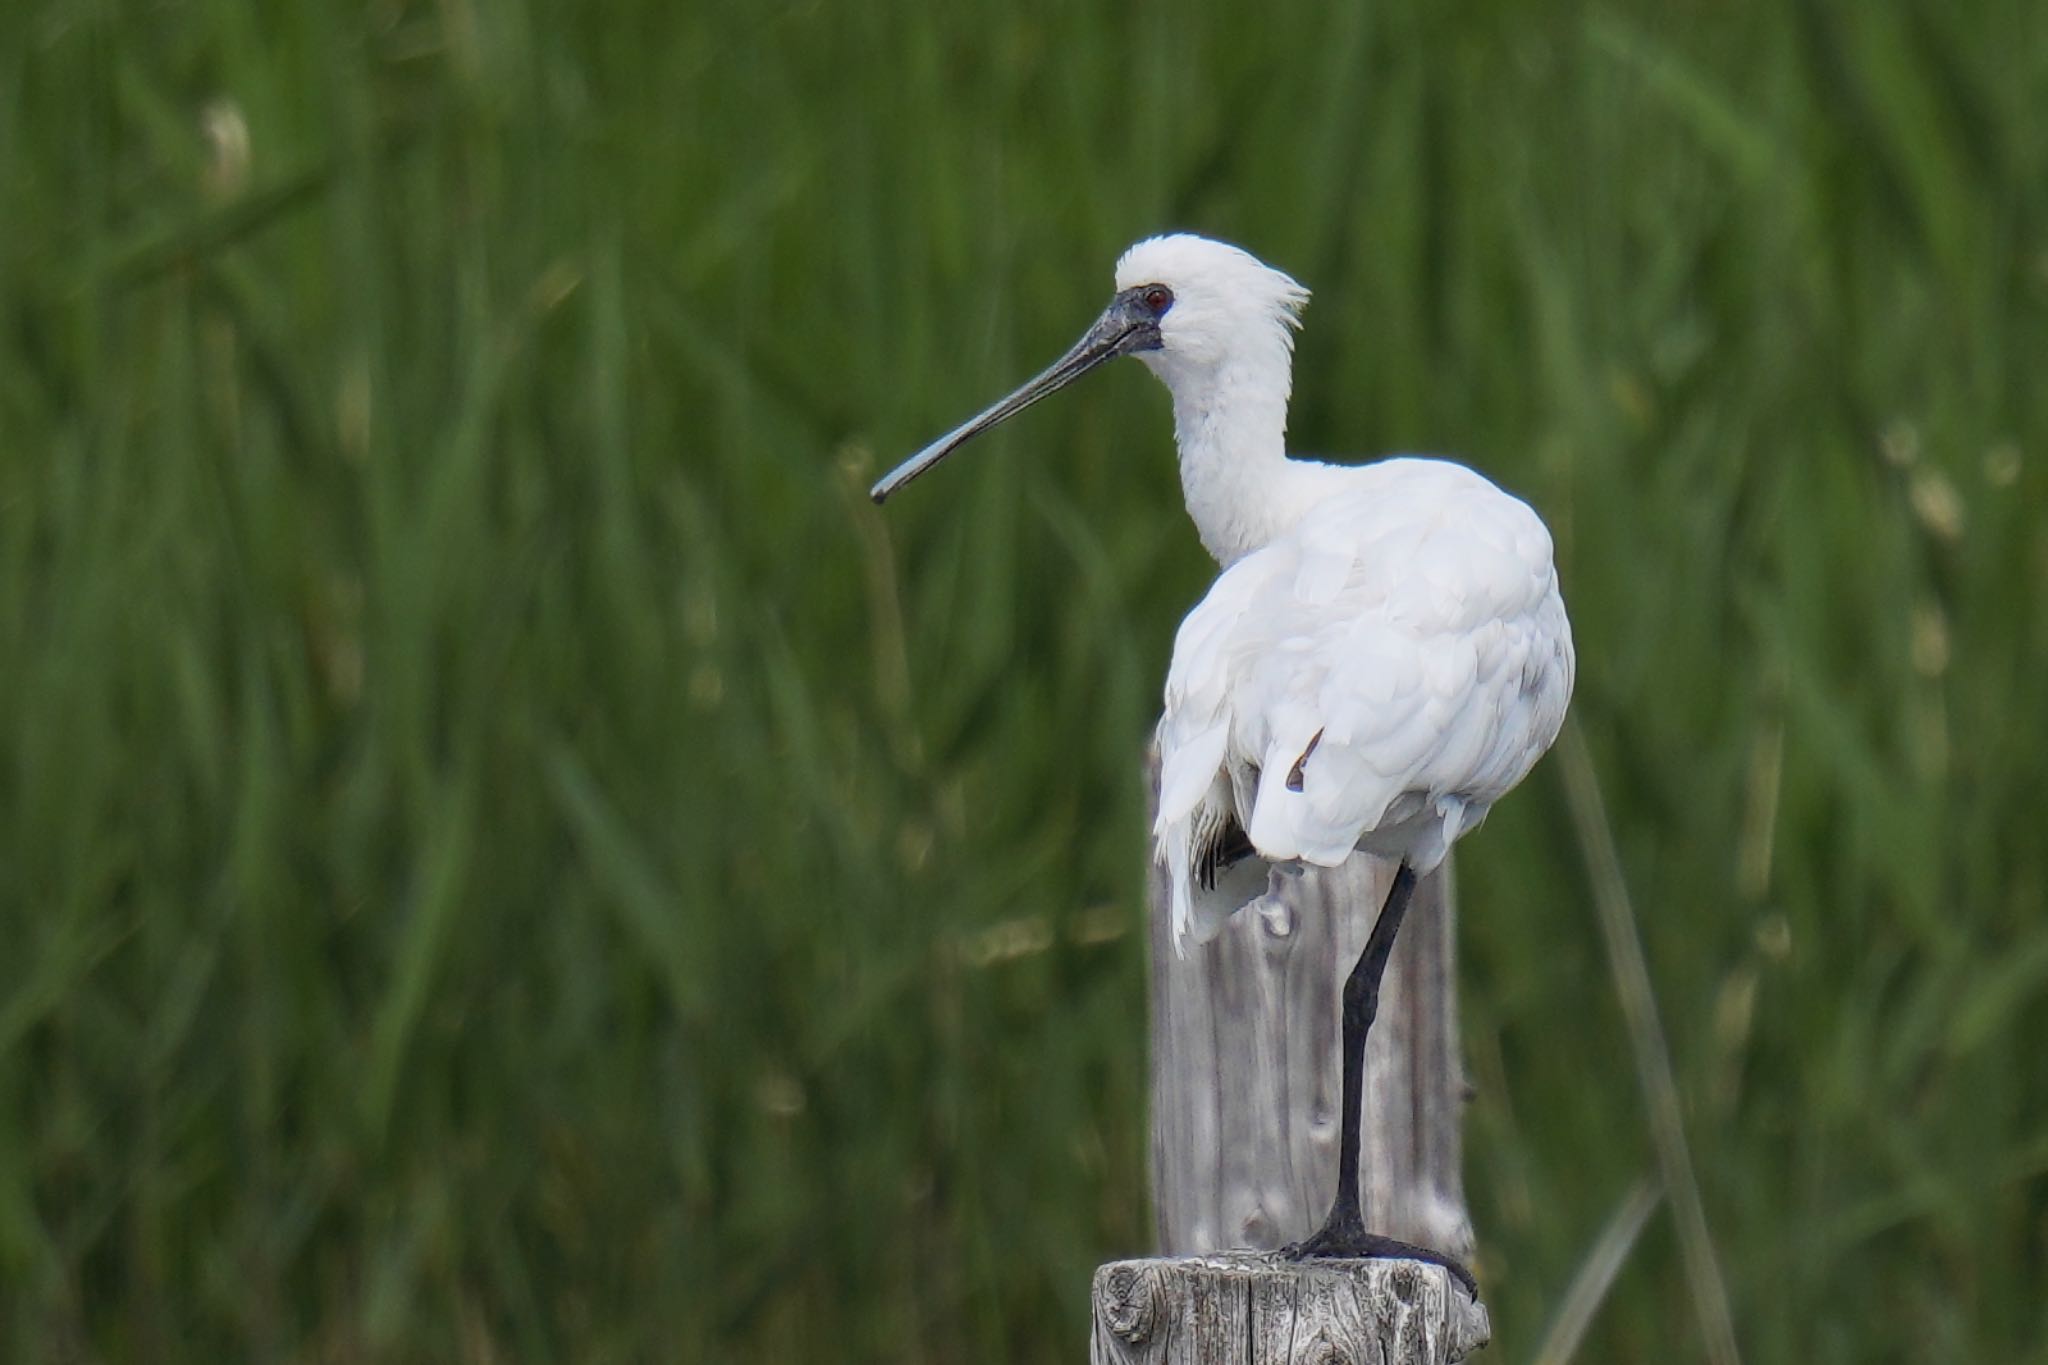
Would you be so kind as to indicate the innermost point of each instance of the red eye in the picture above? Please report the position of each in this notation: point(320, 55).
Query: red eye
point(1159, 298)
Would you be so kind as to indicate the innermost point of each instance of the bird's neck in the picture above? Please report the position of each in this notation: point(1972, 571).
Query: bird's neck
point(1231, 426)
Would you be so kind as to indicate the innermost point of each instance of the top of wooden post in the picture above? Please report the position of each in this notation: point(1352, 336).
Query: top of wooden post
point(1257, 1308)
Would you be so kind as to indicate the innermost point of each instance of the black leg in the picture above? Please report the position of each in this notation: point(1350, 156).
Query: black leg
point(1343, 1233)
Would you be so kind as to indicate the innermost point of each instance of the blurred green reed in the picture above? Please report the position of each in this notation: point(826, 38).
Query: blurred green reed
point(504, 855)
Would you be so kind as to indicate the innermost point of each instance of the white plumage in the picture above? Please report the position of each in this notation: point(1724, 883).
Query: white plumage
point(1385, 654)
point(1409, 628)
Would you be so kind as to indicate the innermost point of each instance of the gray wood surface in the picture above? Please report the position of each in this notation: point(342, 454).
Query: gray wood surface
point(1247, 1309)
point(1245, 1077)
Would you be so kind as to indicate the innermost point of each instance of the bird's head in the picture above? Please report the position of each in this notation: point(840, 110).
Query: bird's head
point(1201, 304)
point(1185, 305)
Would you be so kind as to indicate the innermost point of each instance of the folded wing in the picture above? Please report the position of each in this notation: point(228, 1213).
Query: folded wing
point(1377, 678)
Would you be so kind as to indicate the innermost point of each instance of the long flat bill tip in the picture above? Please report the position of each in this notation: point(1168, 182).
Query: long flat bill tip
point(892, 482)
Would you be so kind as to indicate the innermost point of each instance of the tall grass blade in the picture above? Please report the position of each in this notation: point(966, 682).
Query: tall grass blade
point(1638, 1001)
point(1604, 1260)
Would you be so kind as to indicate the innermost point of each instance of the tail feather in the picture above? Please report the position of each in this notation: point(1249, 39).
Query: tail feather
point(1200, 912)
point(1211, 867)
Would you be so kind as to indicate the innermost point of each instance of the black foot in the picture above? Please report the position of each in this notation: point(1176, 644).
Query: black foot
point(1356, 1244)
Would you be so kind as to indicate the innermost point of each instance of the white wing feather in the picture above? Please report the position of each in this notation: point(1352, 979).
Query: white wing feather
point(1411, 630)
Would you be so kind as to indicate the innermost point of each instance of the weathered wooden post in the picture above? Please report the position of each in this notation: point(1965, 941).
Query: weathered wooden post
point(1245, 1096)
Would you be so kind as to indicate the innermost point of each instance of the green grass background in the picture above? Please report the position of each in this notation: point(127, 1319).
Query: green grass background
point(505, 856)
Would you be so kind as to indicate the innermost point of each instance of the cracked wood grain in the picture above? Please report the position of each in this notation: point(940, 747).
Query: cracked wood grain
point(1250, 1308)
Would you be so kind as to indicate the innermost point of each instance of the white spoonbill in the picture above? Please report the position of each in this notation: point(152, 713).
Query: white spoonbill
point(1384, 656)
